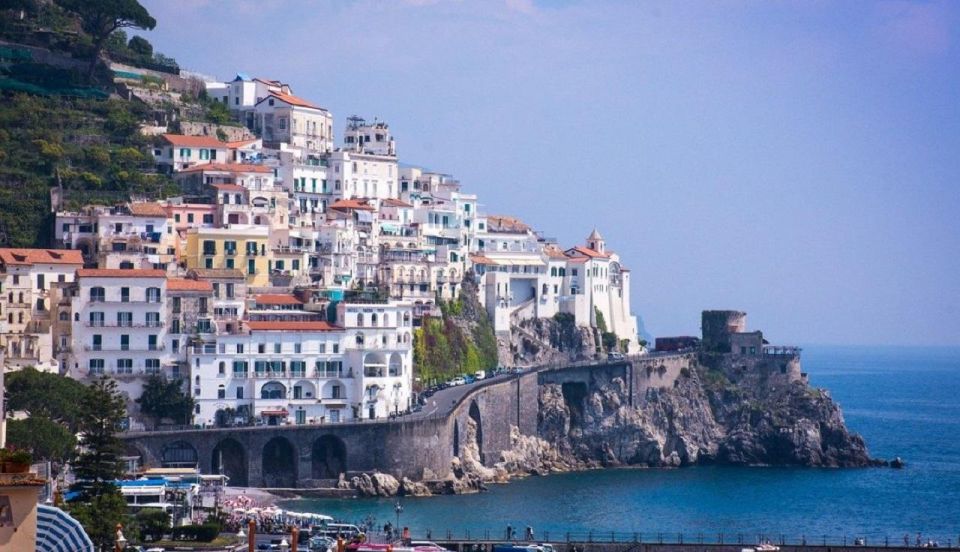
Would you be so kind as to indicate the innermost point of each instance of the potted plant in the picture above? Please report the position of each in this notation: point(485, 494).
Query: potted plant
point(16, 460)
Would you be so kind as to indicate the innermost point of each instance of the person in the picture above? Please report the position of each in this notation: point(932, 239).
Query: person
point(509, 532)
point(529, 533)
point(429, 534)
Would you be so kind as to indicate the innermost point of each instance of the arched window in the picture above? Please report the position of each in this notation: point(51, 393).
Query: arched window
point(197, 379)
point(221, 392)
point(386, 319)
point(373, 320)
point(64, 316)
point(360, 320)
point(20, 297)
point(222, 369)
point(76, 317)
point(20, 318)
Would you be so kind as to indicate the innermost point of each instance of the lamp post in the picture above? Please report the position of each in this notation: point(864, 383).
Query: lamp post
point(398, 509)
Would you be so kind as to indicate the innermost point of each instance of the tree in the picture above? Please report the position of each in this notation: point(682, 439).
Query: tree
point(152, 524)
point(164, 398)
point(47, 439)
point(102, 414)
point(46, 395)
point(100, 516)
point(141, 46)
point(100, 18)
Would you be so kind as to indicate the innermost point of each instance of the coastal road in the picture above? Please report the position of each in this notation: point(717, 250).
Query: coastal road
point(443, 400)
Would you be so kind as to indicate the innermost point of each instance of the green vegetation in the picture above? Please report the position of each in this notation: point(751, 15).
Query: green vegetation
point(101, 506)
point(47, 439)
point(153, 524)
point(461, 341)
point(165, 399)
point(608, 340)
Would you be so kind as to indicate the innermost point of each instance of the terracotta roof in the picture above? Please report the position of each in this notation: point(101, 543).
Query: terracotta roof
point(11, 256)
point(390, 202)
point(481, 259)
point(229, 167)
point(218, 273)
point(553, 251)
point(147, 209)
point(503, 223)
point(578, 260)
point(277, 299)
point(229, 187)
point(194, 141)
point(292, 325)
point(241, 143)
point(186, 284)
point(292, 100)
point(351, 204)
point(121, 273)
point(587, 252)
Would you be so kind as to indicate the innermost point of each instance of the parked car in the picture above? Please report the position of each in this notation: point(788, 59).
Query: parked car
point(480, 375)
point(457, 381)
point(614, 356)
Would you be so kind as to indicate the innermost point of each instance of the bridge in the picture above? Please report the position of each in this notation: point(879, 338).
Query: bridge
point(419, 446)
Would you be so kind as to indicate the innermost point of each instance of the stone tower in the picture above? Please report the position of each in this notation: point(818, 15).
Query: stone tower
point(596, 242)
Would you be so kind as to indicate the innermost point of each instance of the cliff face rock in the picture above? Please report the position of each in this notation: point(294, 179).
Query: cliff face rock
point(717, 412)
point(539, 341)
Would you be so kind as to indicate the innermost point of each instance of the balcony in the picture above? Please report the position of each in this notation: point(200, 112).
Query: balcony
point(159, 347)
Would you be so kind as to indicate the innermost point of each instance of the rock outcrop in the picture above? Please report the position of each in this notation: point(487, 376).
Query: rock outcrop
point(541, 341)
point(716, 412)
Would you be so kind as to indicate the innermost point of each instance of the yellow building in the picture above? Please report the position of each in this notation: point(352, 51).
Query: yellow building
point(243, 248)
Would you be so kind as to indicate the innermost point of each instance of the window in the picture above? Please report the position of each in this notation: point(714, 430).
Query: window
point(202, 305)
point(276, 348)
point(251, 266)
point(297, 348)
point(230, 291)
point(323, 348)
point(97, 295)
point(184, 152)
point(96, 366)
point(335, 392)
point(175, 326)
point(124, 365)
point(176, 305)
point(261, 348)
point(153, 295)
point(221, 392)
point(97, 342)
point(189, 218)
point(152, 342)
point(96, 319)
point(153, 320)
point(207, 219)
point(209, 247)
point(336, 348)
point(152, 365)
point(40, 282)
point(176, 218)
point(239, 392)
point(124, 319)
point(239, 348)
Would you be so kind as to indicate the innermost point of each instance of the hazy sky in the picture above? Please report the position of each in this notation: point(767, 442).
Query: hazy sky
point(796, 160)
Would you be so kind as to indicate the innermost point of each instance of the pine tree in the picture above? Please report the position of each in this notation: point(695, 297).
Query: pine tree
point(102, 413)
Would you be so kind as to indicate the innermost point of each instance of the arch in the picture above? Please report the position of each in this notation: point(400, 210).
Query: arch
point(307, 390)
point(374, 365)
point(273, 390)
point(396, 365)
point(230, 459)
point(178, 454)
point(279, 463)
point(328, 457)
point(474, 414)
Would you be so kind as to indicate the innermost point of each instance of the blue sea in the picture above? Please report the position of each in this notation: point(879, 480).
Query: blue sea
point(904, 401)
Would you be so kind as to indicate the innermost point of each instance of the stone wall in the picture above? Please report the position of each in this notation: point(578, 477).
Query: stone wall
point(233, 133)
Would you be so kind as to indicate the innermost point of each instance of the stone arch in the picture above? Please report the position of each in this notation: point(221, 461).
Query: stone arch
point(273, 390)
point(474, 414)
point(279, 463)
point(374, 365)
point(328, 457)
point(178, 454)
point(230, 459)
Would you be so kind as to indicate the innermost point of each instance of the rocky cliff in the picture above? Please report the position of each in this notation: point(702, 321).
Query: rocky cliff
point(718, 410)
point(540, 341)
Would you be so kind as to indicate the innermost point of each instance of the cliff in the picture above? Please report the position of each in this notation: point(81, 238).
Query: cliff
point(720, 409)
point(540, 341)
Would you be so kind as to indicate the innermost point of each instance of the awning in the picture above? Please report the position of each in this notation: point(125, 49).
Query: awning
point(274, 413)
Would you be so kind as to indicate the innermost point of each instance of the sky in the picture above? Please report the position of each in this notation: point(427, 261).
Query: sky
point(797, 160)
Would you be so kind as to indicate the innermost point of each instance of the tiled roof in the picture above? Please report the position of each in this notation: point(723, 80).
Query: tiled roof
point(553, 251)
point(186, 284)
point(390, 202)
point(229, 167)
point(229, 187)
point(481, 259)
point(194, 141)
point(587, 252)
point(241, 143)
point(351, 204)
point(503, 223)
point(218, 273)
point(277, 299)
point(292, 100)
point(147, 209)
point(11, 256)
point(292, 326)
point(121, 273)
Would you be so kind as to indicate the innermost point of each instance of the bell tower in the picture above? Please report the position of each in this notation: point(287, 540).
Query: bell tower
point(596, 242)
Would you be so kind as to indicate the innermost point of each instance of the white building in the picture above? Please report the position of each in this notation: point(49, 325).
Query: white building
point(285, 118)
point(307, 371)
point(119, 326)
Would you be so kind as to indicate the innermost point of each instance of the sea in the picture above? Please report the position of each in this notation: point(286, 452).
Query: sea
point(905, 401)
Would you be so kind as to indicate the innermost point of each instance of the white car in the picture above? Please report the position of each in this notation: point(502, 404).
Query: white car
point(426, 546)
point(457, 381)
